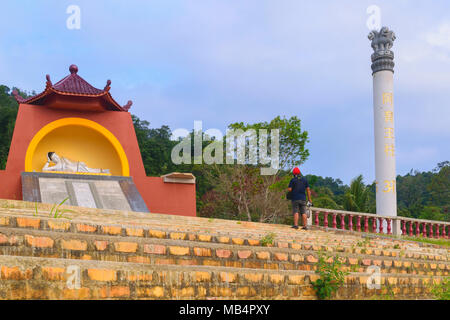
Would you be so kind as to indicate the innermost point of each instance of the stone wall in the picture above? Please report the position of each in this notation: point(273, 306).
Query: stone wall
point(129, 255)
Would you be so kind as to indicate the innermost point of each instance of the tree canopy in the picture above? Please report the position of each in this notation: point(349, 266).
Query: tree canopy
point(239, 191)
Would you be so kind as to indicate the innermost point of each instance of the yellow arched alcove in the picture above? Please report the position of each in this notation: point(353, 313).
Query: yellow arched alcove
point(77, 139)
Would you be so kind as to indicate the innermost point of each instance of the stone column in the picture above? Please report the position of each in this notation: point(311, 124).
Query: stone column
point(383, 108)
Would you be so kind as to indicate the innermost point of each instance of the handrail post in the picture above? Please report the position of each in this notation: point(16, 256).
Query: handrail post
point(309, 220)
point(380, 228)
point(367, 222)
point(396, 228)
point(316, 221)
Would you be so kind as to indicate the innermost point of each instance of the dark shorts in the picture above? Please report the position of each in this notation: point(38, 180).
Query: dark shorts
point(299, 206)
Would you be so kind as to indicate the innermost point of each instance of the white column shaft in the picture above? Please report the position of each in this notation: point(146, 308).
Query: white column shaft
point(383, 107)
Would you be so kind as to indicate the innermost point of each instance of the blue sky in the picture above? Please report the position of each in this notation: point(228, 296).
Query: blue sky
point(229, 61)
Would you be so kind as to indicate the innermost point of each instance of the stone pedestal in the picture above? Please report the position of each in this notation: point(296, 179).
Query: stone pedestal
point(92, 191)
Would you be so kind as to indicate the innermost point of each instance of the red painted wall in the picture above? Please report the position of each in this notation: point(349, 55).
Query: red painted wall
point(160, 197)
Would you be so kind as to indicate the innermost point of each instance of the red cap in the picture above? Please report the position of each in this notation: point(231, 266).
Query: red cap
point(296, 171)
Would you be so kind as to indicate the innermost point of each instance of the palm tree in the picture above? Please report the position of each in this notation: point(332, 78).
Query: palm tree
point(357, 197)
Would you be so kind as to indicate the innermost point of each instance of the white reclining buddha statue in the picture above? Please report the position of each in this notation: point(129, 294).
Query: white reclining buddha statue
point(66, 165)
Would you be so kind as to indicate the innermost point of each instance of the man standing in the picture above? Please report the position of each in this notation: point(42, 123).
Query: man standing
point(297, 186)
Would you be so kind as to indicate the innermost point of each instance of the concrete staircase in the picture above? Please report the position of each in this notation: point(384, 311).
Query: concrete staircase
point(103, 254)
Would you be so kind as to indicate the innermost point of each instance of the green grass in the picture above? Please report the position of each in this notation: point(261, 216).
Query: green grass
point(354, 268)
point(441, 242)
point(389, 295)
point(55, 212)
point(268, 239)
point(382, 297)
point(441, 291)
point(363, 243)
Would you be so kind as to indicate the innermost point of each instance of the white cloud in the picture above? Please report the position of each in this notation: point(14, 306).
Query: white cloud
point(227, 61)
point(440, 37)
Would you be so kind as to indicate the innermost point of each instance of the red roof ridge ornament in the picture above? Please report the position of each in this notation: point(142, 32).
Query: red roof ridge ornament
point(108, 85)
point(73, 92)
point(17, 96)
point(73, 69)
point(48, 84)
point(128, 105)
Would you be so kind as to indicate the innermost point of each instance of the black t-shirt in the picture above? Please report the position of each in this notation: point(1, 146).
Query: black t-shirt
point(298, 185)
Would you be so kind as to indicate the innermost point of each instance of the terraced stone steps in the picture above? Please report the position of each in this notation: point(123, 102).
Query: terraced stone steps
point(23, 277)
point(177, 223)
point(68, 245)
point(36, 249)
point(284, 237)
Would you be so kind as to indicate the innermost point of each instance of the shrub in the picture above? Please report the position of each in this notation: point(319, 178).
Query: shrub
point(331, 277)
point(268, 239)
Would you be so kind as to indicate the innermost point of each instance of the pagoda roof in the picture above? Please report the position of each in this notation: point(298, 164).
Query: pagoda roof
point(72, 88)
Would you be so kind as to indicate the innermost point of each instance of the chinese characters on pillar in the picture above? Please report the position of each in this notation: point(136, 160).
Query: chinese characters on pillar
point(388, 186)
point(389, 147)
point(389, 133)
point(388, 98)
point(388, 116)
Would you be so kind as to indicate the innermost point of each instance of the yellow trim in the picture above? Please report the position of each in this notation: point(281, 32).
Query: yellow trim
point(80, 122)
point(82, 173)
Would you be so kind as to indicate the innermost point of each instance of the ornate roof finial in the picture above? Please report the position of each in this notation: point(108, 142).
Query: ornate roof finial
point(108, 85)
point(382, 42)
point(128, 105)
point(73, 69)
point(48, 84)
point(17, 96)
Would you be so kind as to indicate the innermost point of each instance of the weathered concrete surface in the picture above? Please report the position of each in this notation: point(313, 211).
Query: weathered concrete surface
point(46, 278)
point(131, 255)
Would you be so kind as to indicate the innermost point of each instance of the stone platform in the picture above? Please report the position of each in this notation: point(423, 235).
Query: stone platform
point(84, 190)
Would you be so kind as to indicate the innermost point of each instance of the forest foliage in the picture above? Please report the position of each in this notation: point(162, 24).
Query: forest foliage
point(241, 192)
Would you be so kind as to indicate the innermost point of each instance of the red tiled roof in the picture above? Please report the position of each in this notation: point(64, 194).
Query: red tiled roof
point(74, 85)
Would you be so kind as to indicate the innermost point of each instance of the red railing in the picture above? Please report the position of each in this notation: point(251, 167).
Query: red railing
point(366, 222)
